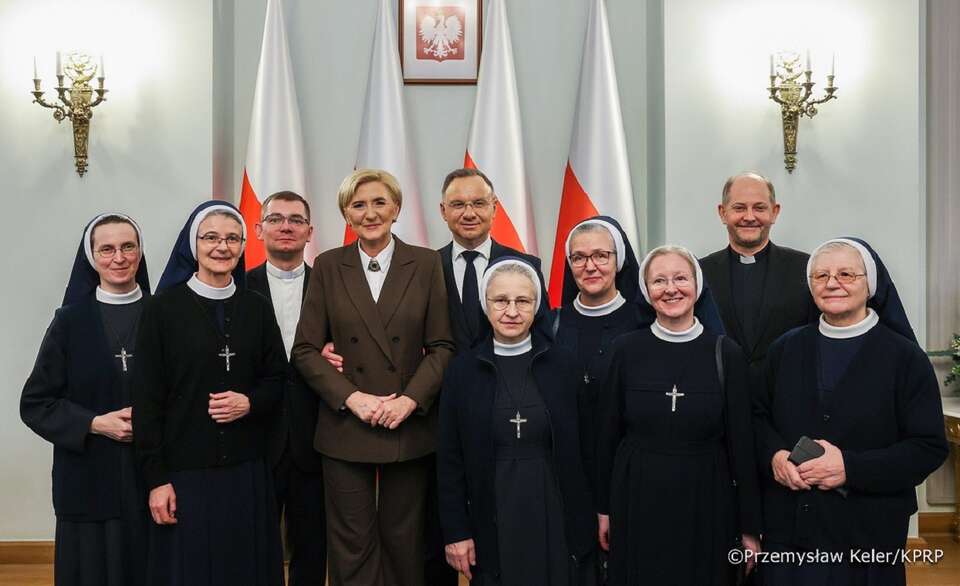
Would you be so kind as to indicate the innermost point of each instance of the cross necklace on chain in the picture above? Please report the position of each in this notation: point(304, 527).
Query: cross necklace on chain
point(223, 336)
point(515, 399)
point(123, 342)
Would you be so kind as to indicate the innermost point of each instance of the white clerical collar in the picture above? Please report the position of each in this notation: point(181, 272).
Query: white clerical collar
point(484, 249)
point(687, 335)
point(599, 310)
point(283, 275)
point(747, 260)
point(847, 332)
point(214, 293)
point(383, 259)
point(515, 349)
point(119, 298)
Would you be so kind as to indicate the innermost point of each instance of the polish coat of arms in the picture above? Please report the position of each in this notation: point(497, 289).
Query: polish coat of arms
point(440, 32)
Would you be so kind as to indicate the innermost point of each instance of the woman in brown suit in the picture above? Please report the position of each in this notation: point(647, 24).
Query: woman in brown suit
point(384, 305)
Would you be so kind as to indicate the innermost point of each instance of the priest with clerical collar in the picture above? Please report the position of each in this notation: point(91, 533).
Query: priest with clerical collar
point(78, 398)
point(210, 371)
point(285, 230)
point(758, 285)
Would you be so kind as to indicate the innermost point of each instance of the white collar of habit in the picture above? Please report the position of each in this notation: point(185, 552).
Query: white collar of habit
point(285, 275)
point(687, 335)
point(515, 349)
point(847, 332)
point(599, 310)
point(214, 293)
point(119, 298)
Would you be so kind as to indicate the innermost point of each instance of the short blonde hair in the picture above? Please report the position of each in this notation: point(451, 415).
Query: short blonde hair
point(353, 181)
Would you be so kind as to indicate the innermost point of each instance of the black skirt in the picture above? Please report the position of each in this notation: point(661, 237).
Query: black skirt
point(530, 517)
point(672, 518)
point(226, 532)
point(112, 552)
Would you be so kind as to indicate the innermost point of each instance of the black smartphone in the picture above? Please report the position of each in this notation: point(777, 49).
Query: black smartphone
point(806, 449)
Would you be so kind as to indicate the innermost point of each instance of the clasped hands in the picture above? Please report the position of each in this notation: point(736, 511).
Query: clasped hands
point(826, 472)
point(388, 412)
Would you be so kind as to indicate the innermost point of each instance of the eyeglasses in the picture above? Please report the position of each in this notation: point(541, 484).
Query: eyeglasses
point(479, 205)
point(214, 240)
point(295, 220)
point(843, 277)
point(109, 250)
point(599, 258)
point(679, 281)
point(523, 304)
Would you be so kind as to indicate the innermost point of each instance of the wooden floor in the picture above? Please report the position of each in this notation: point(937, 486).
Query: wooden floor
point(945, 573)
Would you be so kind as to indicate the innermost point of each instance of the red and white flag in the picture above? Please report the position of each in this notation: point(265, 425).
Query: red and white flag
point(274, 159)
point(495, 145)
point(597, 177)
point(385, 132)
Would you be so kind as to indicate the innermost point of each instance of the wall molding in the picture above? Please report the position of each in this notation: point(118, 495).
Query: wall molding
point(26, 552)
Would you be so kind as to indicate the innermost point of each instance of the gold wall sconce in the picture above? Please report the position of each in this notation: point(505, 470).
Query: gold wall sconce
point(795, 97)
point(76, 102)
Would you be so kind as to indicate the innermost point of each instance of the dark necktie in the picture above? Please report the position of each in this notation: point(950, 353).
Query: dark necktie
point(471, 294)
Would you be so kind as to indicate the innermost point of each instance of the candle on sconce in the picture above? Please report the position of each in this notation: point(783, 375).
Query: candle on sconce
point(35, 74)
point(102, 74)
point(771, 64)
point(808, 60)
point(59, 65)
point(833, 64)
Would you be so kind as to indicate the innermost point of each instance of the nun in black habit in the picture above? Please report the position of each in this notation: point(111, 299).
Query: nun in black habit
point(859, 385)
point(602, 300)
point(210, 370)
point(78, 397)
point(514, 504)
point(677, 484)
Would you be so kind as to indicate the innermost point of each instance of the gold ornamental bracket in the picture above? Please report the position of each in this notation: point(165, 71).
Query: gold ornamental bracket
point(76, 102)
point(795, 97)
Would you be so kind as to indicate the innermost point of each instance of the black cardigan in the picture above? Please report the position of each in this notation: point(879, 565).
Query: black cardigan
point(73, 380)
point(177, 367)
point(465, 451)
point(886, 417)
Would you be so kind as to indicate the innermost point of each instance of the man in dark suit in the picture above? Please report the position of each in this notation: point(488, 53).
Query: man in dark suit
point(468, 205)
point(760, 287)
point(285, 230)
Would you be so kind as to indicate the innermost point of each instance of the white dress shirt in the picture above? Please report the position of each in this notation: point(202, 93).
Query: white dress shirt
point(286, 293)
point(376, 278)
point(460, 263)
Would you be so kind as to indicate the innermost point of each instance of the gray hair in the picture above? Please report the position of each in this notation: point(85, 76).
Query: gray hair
point(834, 246)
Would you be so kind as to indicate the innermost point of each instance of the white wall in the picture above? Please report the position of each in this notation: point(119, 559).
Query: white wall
point(150, 156)
point(859, 160)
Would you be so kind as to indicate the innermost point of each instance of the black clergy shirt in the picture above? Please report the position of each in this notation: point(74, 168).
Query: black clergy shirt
point(747, 284)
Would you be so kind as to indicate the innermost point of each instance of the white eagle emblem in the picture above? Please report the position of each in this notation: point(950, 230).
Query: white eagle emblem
point(440, 36)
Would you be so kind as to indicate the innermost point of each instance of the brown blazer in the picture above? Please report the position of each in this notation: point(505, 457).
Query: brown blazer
point(400, 344)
